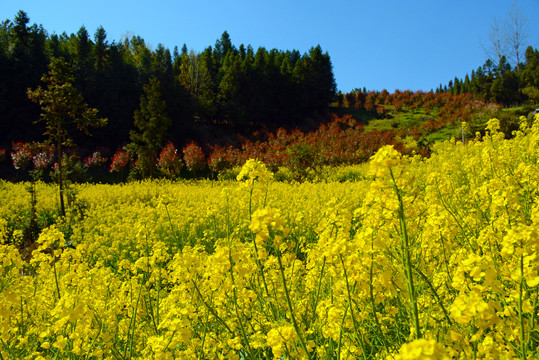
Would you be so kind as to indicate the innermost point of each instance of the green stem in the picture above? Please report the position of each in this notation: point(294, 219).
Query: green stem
point(257, 260)
point(131, 334)
point(356, 330)
point(261, 269)
point(172, 227)
point(317, 296)
point(435, 293)
point(56, 278)
point(33, 217)
point(341, 332)
point(373, 305)
point(251, 203)
point(97, 336)
point(296, 327)
point(204, 334)
point(235, 298)
point(532, 320)
point(446, 262)
point(405, 244)
point(520, 316)
point(3, 345)
point(212, 310)
point(158, 288)
point(60, 173)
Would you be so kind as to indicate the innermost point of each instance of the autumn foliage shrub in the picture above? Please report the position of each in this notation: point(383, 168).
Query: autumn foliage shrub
point(37, 156)
point(169, 163)
point(194, 158)
point(340, 142)
point(95, 160)
point(120, 161)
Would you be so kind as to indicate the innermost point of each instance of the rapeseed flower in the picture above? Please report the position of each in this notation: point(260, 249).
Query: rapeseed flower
point(163, 270)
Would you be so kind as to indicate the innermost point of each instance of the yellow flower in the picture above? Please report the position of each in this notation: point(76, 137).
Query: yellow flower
point(493, 125)
point(465, 127)
point(280, 338)
point(267, 224)
point(60, 342)
point(50, 237)
point(254, 170)
point(422, 349)
point(385, 157)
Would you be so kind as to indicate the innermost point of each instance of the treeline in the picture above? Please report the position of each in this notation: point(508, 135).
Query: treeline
point(501, 82)
point(222, 90)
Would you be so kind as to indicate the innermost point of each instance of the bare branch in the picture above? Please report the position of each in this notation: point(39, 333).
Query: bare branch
point(498, 45)
point(516, 33)
point(508, 37)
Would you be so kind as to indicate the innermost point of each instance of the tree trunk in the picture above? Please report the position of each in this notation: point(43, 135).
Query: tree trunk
point(60, 174)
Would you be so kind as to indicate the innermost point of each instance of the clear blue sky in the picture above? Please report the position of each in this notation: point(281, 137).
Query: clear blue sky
point(377, 44)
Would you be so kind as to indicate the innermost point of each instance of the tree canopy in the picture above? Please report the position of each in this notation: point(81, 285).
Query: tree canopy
point(223, 89)
point(501, 83)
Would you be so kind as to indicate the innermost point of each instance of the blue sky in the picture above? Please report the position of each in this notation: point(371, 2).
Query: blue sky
point(377, 44)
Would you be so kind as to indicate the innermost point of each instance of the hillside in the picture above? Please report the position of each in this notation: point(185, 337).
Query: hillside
point(428, 114)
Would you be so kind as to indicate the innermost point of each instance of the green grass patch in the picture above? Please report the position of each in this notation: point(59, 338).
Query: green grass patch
point(445, 133)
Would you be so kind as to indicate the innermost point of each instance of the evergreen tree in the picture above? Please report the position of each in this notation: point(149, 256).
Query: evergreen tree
point(208, 102)
point(320, 81)
point(223, 46)
point(504, 88)
point(62, 106)
point(25, 63)
point(100, 49)
point(54, 47)
point(230, 92)
point(152, 123)
point(117, 95)
point(529, 76)
point(466, 84)
point(456, 87)
point(83, 59)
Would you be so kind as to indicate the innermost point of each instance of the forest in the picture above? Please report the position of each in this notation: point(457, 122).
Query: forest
point(500, 82)
point(209, 95)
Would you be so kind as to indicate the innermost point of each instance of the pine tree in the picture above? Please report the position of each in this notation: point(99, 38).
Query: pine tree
point(100, 49)
point(62, 106)
point(83, 59)
point(152, 123)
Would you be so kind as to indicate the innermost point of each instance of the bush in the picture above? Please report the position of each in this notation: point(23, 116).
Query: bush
point(229, 174)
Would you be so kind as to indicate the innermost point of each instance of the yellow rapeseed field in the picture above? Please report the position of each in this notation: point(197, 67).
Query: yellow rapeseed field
point(423, 259)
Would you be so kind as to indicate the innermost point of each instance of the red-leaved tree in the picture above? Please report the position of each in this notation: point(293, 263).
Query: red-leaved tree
point(169, 163)
point(194, 158)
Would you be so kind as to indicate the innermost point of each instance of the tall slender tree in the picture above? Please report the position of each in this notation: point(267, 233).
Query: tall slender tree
point(152, 123)
point(62, 106)
point(100, 49)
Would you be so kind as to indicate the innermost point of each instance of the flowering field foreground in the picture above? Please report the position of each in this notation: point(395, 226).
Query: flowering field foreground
point(424, 259)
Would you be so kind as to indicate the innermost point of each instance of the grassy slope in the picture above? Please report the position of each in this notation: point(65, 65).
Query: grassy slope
point(413, 119)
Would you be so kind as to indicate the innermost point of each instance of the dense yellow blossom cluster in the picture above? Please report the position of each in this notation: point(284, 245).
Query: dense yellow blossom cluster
point(423, 259)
